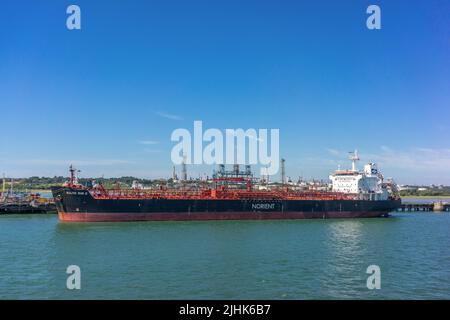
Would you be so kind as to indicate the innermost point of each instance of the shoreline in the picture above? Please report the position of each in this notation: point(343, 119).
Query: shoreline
point(403, 197)
point(31, 190)
point(425, 197)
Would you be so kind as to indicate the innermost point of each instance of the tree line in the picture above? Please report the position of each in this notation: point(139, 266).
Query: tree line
point(44, 183)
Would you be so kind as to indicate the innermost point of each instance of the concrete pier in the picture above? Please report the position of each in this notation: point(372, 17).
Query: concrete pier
point(433, 206)
point(438, 206)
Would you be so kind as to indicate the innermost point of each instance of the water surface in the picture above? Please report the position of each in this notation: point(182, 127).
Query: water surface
point(303, 259)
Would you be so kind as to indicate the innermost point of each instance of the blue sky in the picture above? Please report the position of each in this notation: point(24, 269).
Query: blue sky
point(137, 70)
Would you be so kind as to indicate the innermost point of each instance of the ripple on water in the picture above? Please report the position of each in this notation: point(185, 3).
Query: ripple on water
point(306, 259)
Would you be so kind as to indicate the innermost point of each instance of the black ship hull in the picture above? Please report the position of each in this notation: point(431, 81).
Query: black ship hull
point(79, 205)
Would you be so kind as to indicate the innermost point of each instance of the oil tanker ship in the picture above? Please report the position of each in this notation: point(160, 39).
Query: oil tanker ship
point(230, 195)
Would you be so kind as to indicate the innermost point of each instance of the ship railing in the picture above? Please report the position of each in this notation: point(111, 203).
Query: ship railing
point(148, 194)
point(239, 194)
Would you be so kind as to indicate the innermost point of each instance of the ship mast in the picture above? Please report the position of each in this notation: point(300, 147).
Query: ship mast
point(72, 174)
point(73, 177)
point(354, 157)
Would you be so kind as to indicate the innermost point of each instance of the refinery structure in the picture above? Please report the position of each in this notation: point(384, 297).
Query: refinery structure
point(368, 183)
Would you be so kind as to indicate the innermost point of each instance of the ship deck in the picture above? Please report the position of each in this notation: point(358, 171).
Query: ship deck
point(211, 194)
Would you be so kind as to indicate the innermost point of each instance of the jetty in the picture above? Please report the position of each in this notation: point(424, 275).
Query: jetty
point(437, 206)
point(14, 203)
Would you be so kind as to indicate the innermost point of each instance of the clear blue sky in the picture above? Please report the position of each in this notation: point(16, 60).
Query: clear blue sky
point(139, 69)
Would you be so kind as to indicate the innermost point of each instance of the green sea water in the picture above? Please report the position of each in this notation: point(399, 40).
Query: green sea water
point(303, 259)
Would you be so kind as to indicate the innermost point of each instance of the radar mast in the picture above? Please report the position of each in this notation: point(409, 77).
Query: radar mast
point(354, 157)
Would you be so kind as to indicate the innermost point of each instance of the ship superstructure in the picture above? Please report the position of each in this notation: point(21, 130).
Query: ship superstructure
point(366, 184)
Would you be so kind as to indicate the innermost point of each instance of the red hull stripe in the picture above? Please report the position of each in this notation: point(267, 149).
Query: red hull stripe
point(160, 216)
